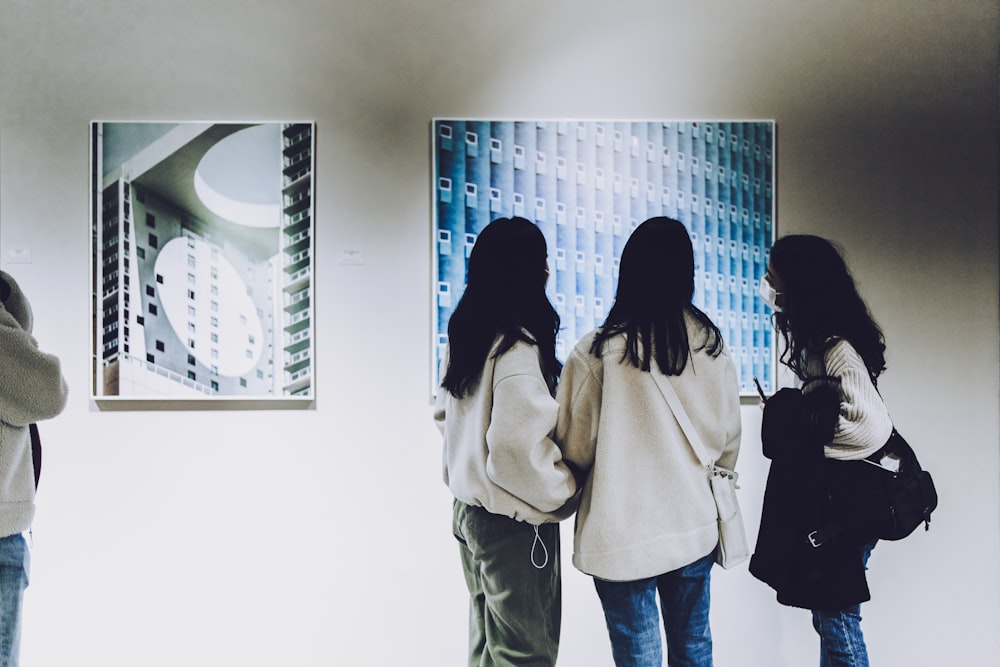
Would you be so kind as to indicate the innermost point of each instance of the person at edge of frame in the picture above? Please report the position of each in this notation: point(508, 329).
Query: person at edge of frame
point(32, 388)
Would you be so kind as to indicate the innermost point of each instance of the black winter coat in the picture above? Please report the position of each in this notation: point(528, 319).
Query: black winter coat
point(827, 573)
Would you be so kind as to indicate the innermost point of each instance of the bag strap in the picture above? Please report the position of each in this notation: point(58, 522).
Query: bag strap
point(667, 389)
point(36, 451)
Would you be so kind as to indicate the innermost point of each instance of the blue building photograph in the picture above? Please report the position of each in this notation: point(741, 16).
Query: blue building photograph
point(587, 184)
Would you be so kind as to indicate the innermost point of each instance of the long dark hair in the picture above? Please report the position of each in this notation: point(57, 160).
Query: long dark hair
point(655, 288)
point(504, 297)
point(821, 303)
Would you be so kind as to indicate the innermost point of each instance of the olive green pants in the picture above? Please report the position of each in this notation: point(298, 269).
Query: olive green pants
point(512, 573)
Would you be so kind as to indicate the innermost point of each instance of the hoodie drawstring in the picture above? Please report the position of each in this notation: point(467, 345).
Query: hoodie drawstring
point(538, 540)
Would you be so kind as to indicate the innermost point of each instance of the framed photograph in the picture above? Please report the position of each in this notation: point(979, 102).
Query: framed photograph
point(202, 246)
point(587, 184)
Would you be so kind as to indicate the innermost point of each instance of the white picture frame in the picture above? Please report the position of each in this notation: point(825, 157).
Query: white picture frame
point(202, 247)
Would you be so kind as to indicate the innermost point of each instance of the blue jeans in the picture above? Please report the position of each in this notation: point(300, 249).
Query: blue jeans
point(15, 563)
point(512, 571)
point(634, 621)
point(841, 643)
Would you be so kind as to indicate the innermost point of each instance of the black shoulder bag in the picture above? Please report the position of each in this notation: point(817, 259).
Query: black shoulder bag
point(885, 496)
point(910, 495)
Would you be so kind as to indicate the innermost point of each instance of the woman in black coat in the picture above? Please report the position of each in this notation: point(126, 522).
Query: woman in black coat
point(811, 547)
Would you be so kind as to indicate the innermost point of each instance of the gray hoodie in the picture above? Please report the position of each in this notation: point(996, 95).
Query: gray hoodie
point(32, 388)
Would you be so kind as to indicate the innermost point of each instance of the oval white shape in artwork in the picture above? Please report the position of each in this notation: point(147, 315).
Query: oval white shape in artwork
point(206, 303)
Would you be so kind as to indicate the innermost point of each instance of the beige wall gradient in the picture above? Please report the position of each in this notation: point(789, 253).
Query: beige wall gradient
point(321, 537)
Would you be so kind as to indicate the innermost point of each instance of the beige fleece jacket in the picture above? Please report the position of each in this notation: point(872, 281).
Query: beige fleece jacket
point(647, 506)
point(498, 450)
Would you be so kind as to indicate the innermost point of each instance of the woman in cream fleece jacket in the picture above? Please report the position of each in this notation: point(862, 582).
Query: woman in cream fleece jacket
point(647, 518)
point(32, 388)
point(496, 412)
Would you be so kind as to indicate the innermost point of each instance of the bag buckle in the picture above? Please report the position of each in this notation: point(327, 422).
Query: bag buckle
point(813, 540)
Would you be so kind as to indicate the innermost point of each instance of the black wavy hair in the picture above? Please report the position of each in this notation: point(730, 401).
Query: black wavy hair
point(655, 288)
point(821, 304)
point(504, 298)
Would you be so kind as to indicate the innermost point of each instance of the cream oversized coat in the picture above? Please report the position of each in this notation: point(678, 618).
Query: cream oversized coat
point(647, 506)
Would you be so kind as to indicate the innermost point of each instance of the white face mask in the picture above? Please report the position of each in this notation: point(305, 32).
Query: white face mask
point(768, 293)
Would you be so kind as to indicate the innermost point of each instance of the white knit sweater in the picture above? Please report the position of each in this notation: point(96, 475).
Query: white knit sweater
point(864, 424)
point(498, 450)
point(647, 506)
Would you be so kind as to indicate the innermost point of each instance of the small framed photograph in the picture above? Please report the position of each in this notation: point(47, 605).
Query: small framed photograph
point(202, 247)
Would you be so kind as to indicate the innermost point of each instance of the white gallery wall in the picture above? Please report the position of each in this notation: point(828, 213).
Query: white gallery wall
point(322, 536)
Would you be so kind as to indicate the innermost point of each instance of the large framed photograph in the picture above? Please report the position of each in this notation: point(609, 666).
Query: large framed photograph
point(202, 246)
point(587, 184)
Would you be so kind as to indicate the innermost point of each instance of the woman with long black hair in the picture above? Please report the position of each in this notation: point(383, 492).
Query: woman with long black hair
point(647, 523)
point(836, 351)
point(496, 410)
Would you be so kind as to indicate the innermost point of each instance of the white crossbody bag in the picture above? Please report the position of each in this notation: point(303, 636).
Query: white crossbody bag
point(732, 548)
